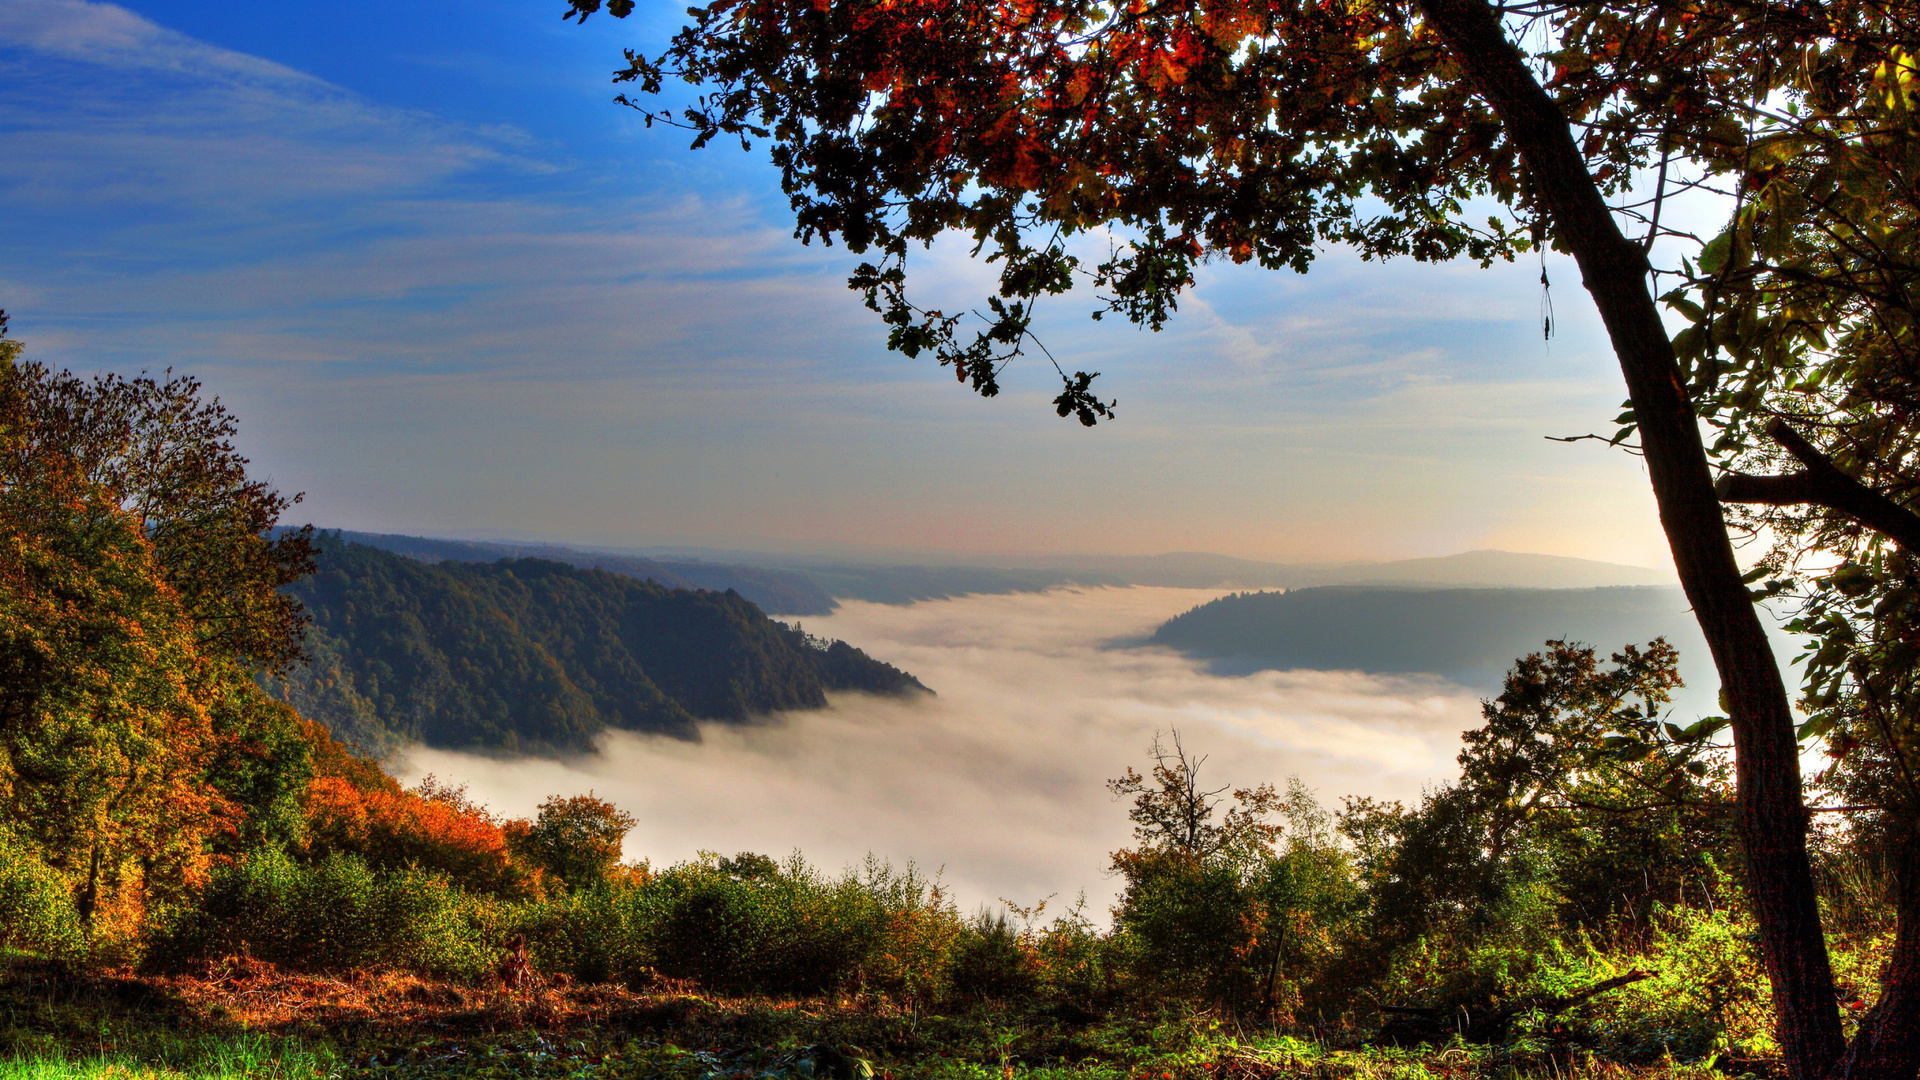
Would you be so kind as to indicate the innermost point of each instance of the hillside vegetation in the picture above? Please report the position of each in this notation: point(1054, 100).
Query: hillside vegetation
point(1471, 635)
point(531, 655)
point(775, 591)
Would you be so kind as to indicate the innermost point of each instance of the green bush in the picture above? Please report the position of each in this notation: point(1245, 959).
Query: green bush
point(595, 935)
point(750, 924)
point(36, 910)
point(991, 962)
point(782, 931)
point(1708, 992)
point(1194, 924)
point(1077, 964)
point(336, 914)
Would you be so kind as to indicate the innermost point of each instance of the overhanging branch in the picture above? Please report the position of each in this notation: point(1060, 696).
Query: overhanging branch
point(1822, 484)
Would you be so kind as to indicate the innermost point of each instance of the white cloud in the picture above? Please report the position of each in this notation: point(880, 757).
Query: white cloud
point(109, 35)
point(107, 111)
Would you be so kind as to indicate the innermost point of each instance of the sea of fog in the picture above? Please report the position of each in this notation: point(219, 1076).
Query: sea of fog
point(998, 782)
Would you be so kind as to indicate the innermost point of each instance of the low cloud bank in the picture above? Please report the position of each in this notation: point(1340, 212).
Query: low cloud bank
point(999, 781)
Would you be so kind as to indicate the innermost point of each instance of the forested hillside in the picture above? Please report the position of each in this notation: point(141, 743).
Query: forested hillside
point(531, 655)
point(1467, 634)
point(776, 591)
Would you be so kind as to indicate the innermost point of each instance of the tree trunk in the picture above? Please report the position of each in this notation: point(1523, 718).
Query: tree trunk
point(89, 893)
point(1773, 820)
point(1888, 1044)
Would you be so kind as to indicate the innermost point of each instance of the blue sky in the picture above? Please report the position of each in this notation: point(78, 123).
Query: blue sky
point(450, 288)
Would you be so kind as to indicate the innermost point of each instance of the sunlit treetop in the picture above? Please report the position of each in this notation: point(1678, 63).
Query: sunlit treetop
point(1181, 131)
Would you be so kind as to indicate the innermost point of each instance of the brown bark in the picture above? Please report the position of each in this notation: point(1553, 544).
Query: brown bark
point(1887, 1046)
point(1614, 270)
point(1823, 484)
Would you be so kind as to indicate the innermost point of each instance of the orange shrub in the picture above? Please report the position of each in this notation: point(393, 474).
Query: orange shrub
point(432, 828)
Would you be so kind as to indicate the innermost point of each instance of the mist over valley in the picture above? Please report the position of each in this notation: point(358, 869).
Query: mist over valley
point(835, 551)
point(999, 781)
point(651, 679)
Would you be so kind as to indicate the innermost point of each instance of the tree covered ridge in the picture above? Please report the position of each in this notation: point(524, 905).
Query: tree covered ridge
point(531, 655)
point(1468, 634)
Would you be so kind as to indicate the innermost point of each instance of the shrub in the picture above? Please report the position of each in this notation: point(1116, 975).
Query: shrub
point(783, 932)
point(1078, 966)
point(749, 924)
point(337, 914)
point(992, 961)
point(36, 910)
point(433, 828)
point(1194, 923)
point(575, 840)
point(918, 929)
point(1708, 991)
point(597, 935)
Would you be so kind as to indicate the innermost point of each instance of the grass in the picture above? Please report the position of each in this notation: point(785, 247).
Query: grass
point(241, 1056)
point(245, 1019)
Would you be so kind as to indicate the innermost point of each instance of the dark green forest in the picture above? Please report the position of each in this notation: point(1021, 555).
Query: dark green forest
point(1471, 635)
point(536, 656)
point(775, 591)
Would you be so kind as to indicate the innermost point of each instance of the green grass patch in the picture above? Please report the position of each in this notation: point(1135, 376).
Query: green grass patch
point(244, 1056)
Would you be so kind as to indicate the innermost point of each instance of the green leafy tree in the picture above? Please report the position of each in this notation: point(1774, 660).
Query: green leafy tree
point(165, 452)
point(1232, 907)
point(1580, 806)
point(1194, 129)
point(133, 742)
point(574, 839)
point(1803, 350)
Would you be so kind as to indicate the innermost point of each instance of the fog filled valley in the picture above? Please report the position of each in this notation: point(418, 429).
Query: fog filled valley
point(277, 798)
point(999, 779)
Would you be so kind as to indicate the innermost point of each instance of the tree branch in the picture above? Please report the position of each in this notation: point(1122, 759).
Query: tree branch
point(1822, 484)
point(1557, 1005)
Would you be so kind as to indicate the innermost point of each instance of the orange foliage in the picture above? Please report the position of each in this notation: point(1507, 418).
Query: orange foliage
point(437, 830)
point(334, 759)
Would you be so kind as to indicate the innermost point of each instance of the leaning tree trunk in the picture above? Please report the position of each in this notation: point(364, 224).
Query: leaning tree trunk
point(1888, 1045)
point(1772, 815)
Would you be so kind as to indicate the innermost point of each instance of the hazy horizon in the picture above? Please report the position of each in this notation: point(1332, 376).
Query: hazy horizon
point(886, 555)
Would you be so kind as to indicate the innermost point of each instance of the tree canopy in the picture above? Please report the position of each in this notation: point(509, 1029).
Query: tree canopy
point(138, 597)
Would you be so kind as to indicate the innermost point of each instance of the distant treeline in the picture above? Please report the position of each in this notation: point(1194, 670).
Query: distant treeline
point(912, 584)
point(531, 655)
point(779, 592)
point(1467, 634)
point(783, 590)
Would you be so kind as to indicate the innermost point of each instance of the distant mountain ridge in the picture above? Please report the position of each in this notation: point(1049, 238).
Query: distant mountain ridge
point(780, 592)
point(1470, 635)
point(1487, 568)
point(789, 585)
point(532, 655)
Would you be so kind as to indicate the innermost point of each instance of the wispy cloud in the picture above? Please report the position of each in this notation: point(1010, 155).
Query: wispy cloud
point(441, 325)
point(111, 35)
point(109, 109)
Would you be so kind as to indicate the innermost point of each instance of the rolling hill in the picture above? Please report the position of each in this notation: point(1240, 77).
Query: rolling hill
point(1469, 635)
point(532, 655)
